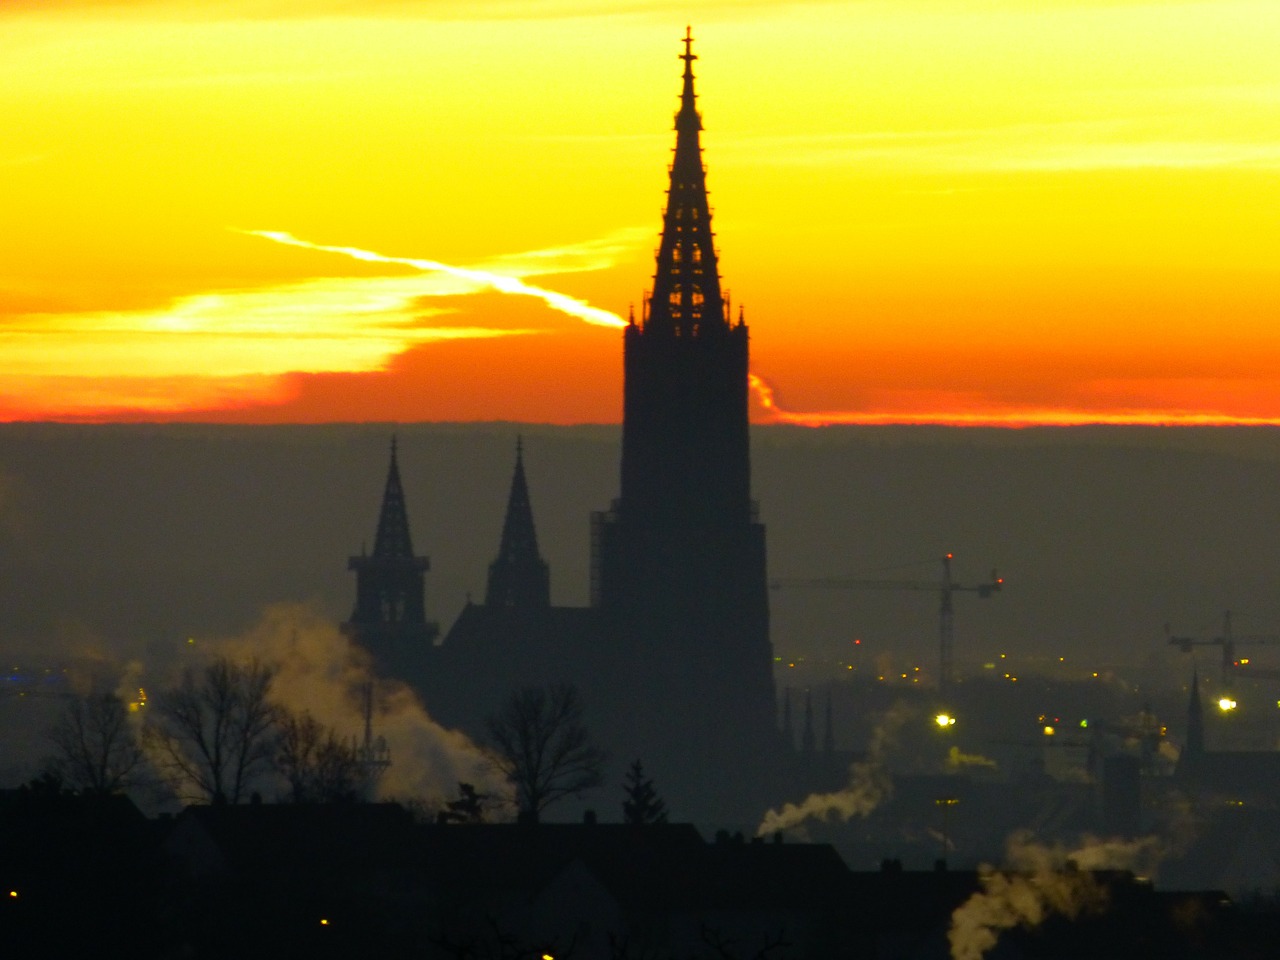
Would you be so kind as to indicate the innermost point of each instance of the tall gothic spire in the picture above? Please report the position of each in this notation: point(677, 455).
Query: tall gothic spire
point(392, 538)
point(519, 577)
point(686, 296)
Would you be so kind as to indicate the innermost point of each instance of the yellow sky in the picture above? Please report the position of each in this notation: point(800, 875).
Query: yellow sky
point(931, 210)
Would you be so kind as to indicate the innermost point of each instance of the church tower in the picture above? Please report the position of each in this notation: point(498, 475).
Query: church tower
point(389, 619)
point(519, 577)
point(678, 562)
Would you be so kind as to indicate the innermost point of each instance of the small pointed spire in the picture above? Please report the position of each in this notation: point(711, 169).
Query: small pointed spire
point(519, 577)
point(828, 730)
point(807, 740)
point(787, 730)
point(1195, 719)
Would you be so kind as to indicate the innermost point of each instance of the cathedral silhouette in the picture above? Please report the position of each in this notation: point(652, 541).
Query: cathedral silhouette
point(672, 657)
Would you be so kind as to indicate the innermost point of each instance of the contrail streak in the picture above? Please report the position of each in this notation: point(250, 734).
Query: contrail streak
point(500, 282)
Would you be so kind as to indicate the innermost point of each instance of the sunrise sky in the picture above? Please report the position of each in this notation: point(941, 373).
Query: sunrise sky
point(961, 211)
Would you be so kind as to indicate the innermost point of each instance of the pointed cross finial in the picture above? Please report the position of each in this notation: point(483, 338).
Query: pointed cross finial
point(519, 447)
point(393, 446)
point(688, 55)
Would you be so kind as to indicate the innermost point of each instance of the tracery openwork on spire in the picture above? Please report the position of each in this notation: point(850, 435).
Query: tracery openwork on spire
point(392, 538)
point(686, 298)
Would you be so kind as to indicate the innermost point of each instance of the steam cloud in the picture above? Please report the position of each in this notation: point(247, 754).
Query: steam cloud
point(321, 672)
point(957, 760)
point(1039, 882)
point(869, 783)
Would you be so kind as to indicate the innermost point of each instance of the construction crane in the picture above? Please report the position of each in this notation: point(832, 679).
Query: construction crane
point(1228, 641)
point(944, 588)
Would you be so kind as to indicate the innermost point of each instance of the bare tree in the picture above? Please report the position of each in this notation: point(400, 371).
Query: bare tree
point(319, 766)
point(97, 749)
point(214, 733)
point(538, 742)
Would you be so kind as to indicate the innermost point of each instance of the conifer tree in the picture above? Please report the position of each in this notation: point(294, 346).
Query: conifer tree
point(643, 806)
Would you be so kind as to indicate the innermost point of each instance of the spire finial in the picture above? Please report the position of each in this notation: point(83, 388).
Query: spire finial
point(519, 447)
point(688, 56)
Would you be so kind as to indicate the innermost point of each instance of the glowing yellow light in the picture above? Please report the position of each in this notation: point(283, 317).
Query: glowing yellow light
point(1244, 661)
point(1084, 724)
point(547, 956)
point(944, 720)
point(1225, 704)
point(1049, 731)
point(324, 922)
point(13, 894)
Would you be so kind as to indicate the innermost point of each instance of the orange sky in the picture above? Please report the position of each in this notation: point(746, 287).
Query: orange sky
point(1009, 211)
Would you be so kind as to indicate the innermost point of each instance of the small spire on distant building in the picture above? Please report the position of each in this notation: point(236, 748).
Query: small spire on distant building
point(788, 732)
point(808, 742)
point(828, 731)
point(1194, 747)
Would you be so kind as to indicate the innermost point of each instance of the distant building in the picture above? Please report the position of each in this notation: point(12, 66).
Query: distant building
point(1217, 777)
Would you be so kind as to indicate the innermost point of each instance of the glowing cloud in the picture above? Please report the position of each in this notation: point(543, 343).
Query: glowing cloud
point(767, 399)
point(217, 350)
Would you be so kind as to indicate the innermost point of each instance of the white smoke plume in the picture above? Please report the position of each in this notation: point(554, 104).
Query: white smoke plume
point(958, 760)
point(869, 783)
point(1040, 881)
point(319, 671)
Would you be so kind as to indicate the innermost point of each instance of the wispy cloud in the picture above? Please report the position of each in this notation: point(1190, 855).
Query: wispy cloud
point(1046, 147)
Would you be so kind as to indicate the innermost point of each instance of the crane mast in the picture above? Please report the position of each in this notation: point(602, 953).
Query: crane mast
point(946, 587)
